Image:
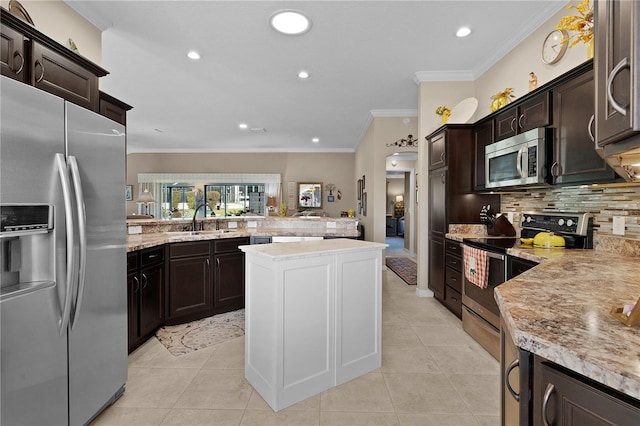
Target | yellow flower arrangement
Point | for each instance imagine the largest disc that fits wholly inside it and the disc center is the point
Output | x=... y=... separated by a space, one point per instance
x=582 y=24
x=501 y=99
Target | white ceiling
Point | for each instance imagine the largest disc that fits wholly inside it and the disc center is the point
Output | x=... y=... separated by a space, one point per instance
x=364 y=58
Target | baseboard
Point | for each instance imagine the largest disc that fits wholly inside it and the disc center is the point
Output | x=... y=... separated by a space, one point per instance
x=424 y=293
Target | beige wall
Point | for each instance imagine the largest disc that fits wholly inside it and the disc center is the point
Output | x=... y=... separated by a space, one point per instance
x=513 y=69
x=371 y=158
x=58 y=21
x=295 y=167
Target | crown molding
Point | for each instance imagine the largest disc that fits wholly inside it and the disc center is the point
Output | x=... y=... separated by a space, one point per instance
x=393 y=113
x=452 y=75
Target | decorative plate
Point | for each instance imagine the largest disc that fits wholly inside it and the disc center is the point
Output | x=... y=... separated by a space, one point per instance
x=463 y=112
x=18 y=10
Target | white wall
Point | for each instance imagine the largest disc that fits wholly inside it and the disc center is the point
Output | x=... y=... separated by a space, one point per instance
x=58 y=21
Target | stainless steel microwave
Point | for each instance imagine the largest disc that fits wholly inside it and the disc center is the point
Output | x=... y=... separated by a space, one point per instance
x=520 y=160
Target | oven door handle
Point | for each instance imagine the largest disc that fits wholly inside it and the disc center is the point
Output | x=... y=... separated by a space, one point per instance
x=491 y=254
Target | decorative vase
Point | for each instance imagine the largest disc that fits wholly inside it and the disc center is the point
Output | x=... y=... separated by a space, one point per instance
x=445 y=116
x=590 y=49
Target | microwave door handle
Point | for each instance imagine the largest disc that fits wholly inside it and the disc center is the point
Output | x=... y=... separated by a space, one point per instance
x=519 y=162
x=82 y=232
x=61 y=164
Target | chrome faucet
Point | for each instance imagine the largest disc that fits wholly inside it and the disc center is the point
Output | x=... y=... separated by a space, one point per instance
x=195 y=213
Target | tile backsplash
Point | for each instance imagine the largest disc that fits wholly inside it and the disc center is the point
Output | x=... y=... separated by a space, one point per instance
x=604 y=202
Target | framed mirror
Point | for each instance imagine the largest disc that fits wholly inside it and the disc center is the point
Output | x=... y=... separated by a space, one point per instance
x=310 y=195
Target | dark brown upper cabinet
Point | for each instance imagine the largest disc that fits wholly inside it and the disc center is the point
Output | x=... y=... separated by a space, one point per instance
x=530 y=114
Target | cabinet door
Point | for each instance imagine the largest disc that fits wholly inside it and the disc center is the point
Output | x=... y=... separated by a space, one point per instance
x=483 y=133
x=438 y=203
x=436 y=267
x=517 y=266
x=56 y=74
x=229 y=281
x=563 y=399
x=151 y=282
x=575 y=157
x=506 y=123
x=133 y=309
x=13 y=59
x=515 y=381
x=437 y=151
x=534 y=113
x=190 y=286
x=616 y=62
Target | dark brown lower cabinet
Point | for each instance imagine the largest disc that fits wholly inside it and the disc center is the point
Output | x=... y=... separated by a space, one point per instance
x=229 y=276
x=536 y=391
x=453 y=277
x=145 y=284
x=561 y=397
x=190 y=281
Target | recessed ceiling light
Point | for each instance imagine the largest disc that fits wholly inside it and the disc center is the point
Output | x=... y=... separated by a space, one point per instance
x=303 y=75
x=463 y=32
x=396 y=153
x=243 y=125
x=290 y=22
x=193 y=55
x=315 y=140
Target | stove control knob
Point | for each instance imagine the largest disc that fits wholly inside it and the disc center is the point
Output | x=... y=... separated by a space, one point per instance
x=561 y=222
x=569 y=222
x=528 y=218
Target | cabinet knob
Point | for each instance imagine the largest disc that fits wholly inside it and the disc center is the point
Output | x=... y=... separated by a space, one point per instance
x=18 y=55
x=442 y=157
x=590 y=128
x=556 y=170
x=520 y=123
x=512 y=125
x=623 y=64
x=545 y=403
x=137 y=284
x=146 y=281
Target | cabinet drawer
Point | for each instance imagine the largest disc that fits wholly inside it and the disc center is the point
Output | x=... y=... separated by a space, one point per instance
x=454 y=262
x=151 y=256
x=229 y=244
x=453 y=300
x=453 y=247
x=453 y=279
x=189 y=249
x=132 y=261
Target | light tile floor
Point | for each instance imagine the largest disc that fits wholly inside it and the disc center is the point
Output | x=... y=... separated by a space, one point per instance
x=432 y=373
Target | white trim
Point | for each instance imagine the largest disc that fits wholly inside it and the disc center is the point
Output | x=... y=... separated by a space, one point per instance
x=453 y=75
x=209 y=177
x=394 y=112
x=423 y=293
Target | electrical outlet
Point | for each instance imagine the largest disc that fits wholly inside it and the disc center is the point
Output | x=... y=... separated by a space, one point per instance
x=252 y=224
x=232 y=225
x=134 y=230
x=331 y=225
x=618 y=225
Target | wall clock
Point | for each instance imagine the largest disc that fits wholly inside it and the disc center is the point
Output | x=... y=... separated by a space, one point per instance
x=553 y=49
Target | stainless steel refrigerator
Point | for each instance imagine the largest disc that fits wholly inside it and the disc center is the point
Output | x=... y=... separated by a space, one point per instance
x=63 y=314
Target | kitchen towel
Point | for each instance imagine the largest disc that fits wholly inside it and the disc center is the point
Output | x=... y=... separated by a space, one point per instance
x=476 y=266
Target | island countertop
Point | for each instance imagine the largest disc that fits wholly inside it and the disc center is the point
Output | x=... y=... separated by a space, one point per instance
x=560 y=310
x=310 y=248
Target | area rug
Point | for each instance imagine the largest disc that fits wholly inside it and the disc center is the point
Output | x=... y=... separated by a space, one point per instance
x=186 y=338
x=405 y=268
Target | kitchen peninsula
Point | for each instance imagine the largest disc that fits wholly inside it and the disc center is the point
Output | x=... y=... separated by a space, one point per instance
x=313 y=316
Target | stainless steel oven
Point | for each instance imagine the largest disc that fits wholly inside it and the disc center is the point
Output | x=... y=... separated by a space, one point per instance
x=480 y=313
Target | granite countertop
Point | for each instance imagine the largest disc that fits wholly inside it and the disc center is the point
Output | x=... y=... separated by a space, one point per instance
x=310 y=248
x=142 y=241
x=560 y=310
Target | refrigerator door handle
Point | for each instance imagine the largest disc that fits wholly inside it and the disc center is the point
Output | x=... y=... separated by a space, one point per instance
x=82 y=232
x=61 y=163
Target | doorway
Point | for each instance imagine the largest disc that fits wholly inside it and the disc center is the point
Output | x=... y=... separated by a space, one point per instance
x=401 y=204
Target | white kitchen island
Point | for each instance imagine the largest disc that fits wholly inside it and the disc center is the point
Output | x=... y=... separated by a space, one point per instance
x=313 y=316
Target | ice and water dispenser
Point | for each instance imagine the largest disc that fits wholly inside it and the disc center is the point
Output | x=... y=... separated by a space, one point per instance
x=27 y=248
